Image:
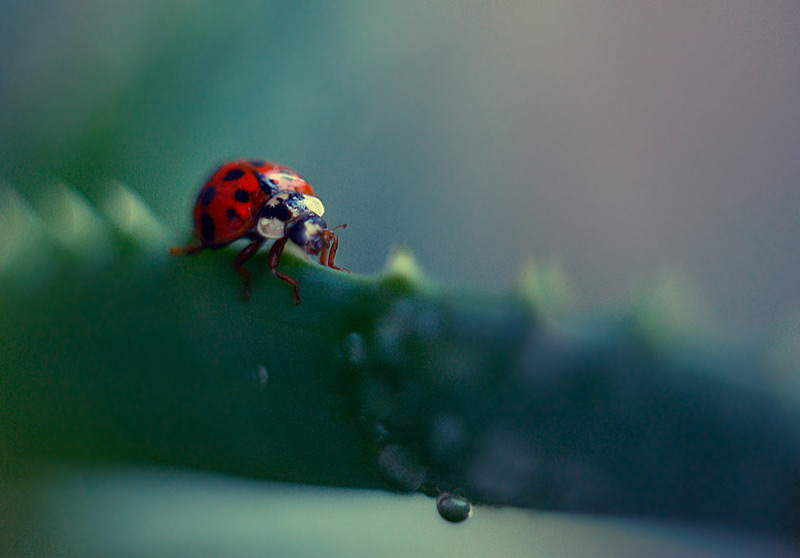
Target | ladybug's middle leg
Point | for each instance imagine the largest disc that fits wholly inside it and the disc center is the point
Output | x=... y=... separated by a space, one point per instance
x=248 y=252
x=274 y=259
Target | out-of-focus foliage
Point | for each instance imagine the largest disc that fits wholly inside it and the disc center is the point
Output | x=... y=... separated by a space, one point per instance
x=99 y=512
x=618 y=141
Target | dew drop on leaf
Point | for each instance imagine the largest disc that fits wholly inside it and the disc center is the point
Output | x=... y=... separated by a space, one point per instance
x=454 y=506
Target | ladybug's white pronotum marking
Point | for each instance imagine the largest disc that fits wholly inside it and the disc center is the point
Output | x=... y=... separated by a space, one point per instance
x=271 y=227
x=314 y=205
x=276 y=226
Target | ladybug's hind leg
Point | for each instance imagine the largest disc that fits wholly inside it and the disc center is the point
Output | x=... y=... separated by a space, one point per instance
x=248 y=252
x=184 y=250
x=274 y=259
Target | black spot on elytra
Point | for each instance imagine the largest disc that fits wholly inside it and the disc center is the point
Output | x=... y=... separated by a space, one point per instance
x=233 y=174
x=207 y=227
x=231 y=213
x=241 y=196
x=207 y=195
x=257 y=164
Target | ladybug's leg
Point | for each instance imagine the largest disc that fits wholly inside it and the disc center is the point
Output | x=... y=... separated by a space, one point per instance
x=190 y=249
x=248 y=252
x=324 y=254
x=334 y=245
x=274 y=259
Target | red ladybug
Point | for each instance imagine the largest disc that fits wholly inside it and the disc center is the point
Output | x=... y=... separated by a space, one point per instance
x=241 y=193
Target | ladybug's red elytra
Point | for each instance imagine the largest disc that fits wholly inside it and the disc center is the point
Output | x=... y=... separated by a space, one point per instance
x=261 y=201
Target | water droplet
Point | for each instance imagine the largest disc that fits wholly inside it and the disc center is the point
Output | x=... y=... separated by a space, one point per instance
x=401 y=468
x=354 y=348
x=454 y=506
x=261 y=376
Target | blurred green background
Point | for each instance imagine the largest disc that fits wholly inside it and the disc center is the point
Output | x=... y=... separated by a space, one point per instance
x=618 y=139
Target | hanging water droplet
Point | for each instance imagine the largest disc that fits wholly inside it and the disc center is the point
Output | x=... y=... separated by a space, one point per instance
x=454 y=506
x=261 y=376
x=354 y=348
x=401 y=468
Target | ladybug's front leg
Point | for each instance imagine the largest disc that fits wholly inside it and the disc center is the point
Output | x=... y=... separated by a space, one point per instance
x=329 y=252
x=274 y=259
x=248 y=252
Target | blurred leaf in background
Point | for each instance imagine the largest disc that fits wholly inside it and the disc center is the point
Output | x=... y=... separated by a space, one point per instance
x=616 y=140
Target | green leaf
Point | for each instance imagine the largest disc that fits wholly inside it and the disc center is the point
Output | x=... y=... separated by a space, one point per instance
x=121 y=353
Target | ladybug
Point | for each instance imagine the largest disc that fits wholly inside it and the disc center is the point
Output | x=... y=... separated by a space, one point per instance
x=261 y=201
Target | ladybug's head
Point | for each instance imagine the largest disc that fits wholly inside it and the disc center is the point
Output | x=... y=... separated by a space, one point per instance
x=298 y=217
x=308 y=232
x=312 y=234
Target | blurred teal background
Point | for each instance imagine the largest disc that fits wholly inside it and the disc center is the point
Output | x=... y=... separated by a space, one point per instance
x=618 y=139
